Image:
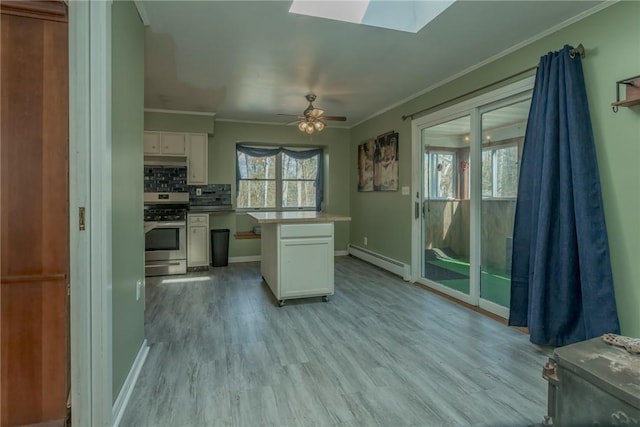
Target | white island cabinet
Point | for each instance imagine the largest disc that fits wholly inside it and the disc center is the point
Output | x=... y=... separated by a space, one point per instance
x=297 y=253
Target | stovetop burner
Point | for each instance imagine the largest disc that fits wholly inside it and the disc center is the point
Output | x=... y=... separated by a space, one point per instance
x=165 y=213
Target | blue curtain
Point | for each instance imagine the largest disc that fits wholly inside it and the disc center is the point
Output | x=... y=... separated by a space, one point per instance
x=299 y=155
x=561 y=281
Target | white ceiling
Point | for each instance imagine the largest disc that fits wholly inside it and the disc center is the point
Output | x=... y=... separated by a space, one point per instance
x=250 y=60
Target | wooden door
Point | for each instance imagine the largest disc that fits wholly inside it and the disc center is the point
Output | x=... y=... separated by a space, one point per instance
x=34 y=213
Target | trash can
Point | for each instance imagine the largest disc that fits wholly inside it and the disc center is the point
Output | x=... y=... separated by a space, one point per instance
x=220 y=247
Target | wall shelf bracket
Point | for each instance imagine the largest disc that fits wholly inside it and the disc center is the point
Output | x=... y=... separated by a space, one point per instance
x=632 y=93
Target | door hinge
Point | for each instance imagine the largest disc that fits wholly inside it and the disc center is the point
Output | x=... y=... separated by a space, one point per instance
x=81 y=220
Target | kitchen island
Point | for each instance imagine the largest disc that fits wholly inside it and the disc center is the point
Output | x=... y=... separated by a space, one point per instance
x=297 y=252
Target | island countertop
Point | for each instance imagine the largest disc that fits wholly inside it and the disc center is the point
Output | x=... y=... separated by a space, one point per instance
x=296 y=217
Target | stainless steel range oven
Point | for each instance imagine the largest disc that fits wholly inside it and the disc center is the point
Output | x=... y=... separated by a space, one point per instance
x=165 y=240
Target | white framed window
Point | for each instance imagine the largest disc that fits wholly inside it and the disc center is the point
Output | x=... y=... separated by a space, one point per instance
x=276 y=178
x=298 y=182
x=440 y=174
x=500 y=171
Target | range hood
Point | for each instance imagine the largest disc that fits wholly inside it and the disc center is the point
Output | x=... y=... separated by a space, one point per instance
x=172 y=162
x=166 y=198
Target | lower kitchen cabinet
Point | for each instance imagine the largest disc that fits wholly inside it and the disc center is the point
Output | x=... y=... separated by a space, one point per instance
x=198 y=247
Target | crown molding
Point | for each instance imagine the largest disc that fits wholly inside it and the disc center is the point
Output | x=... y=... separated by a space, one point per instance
x=190 y=113
x=605 y=4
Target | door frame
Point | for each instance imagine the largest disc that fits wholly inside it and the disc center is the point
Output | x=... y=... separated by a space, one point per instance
x=471 y=107
x=90 y=189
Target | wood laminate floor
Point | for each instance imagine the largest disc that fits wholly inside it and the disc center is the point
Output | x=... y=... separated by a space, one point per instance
x=381 y=352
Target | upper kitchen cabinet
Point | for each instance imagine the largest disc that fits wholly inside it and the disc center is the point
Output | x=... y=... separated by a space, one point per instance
x=152 y=143
x=197 y=159
x=173 y=144
x=165 y=143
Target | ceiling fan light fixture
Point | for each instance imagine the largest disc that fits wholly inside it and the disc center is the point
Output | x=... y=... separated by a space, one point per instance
x=312 y=119
x=310 y=125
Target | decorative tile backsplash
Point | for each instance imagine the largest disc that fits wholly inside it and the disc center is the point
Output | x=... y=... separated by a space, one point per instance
x=165 y=179
x=212 y=195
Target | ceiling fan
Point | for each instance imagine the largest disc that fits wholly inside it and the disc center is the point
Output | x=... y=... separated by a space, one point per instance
x=312 y=118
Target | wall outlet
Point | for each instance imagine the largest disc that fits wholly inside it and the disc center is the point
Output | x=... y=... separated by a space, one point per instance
x=365 y=241
x=198 y=191
x=138 y=289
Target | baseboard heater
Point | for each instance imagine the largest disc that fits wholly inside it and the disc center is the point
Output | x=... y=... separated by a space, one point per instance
x=394 y=266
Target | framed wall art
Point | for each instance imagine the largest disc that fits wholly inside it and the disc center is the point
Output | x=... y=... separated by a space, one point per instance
x=378 y=163
x=385 y=161
x=365 y=165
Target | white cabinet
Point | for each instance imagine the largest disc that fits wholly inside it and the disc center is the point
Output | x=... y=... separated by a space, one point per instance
x=297 y=259
x=198 y=240
x=165 y=144
x=152 y=143
x=197 y=154
x=173 y=144
x=194 y=146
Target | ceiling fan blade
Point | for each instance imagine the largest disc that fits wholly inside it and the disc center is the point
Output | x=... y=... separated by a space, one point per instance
x=290 y=115
x=335 y=118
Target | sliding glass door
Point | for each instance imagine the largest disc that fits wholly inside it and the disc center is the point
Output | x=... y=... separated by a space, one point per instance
x=502 y=142
x=465 y=191
x=446 y=205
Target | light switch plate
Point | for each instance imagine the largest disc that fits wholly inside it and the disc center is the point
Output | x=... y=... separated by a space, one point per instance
x=198 y=191
x=405 y=191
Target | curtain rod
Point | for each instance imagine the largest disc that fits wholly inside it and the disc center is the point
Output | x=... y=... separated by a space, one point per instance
x=579 y=50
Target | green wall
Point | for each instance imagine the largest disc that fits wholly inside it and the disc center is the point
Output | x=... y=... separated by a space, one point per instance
x=612 y=41
x=127 y=74
x=171 y=122
x=335 y=142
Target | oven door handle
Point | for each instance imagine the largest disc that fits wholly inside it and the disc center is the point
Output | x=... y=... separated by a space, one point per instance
x=157 y=264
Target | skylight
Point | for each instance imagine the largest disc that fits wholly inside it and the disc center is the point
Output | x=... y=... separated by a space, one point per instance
x=401 y=15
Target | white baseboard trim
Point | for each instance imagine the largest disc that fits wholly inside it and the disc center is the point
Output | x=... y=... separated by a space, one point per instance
x=341 y=253
x=251 y=258
x=394 y=266
x=129 y=383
